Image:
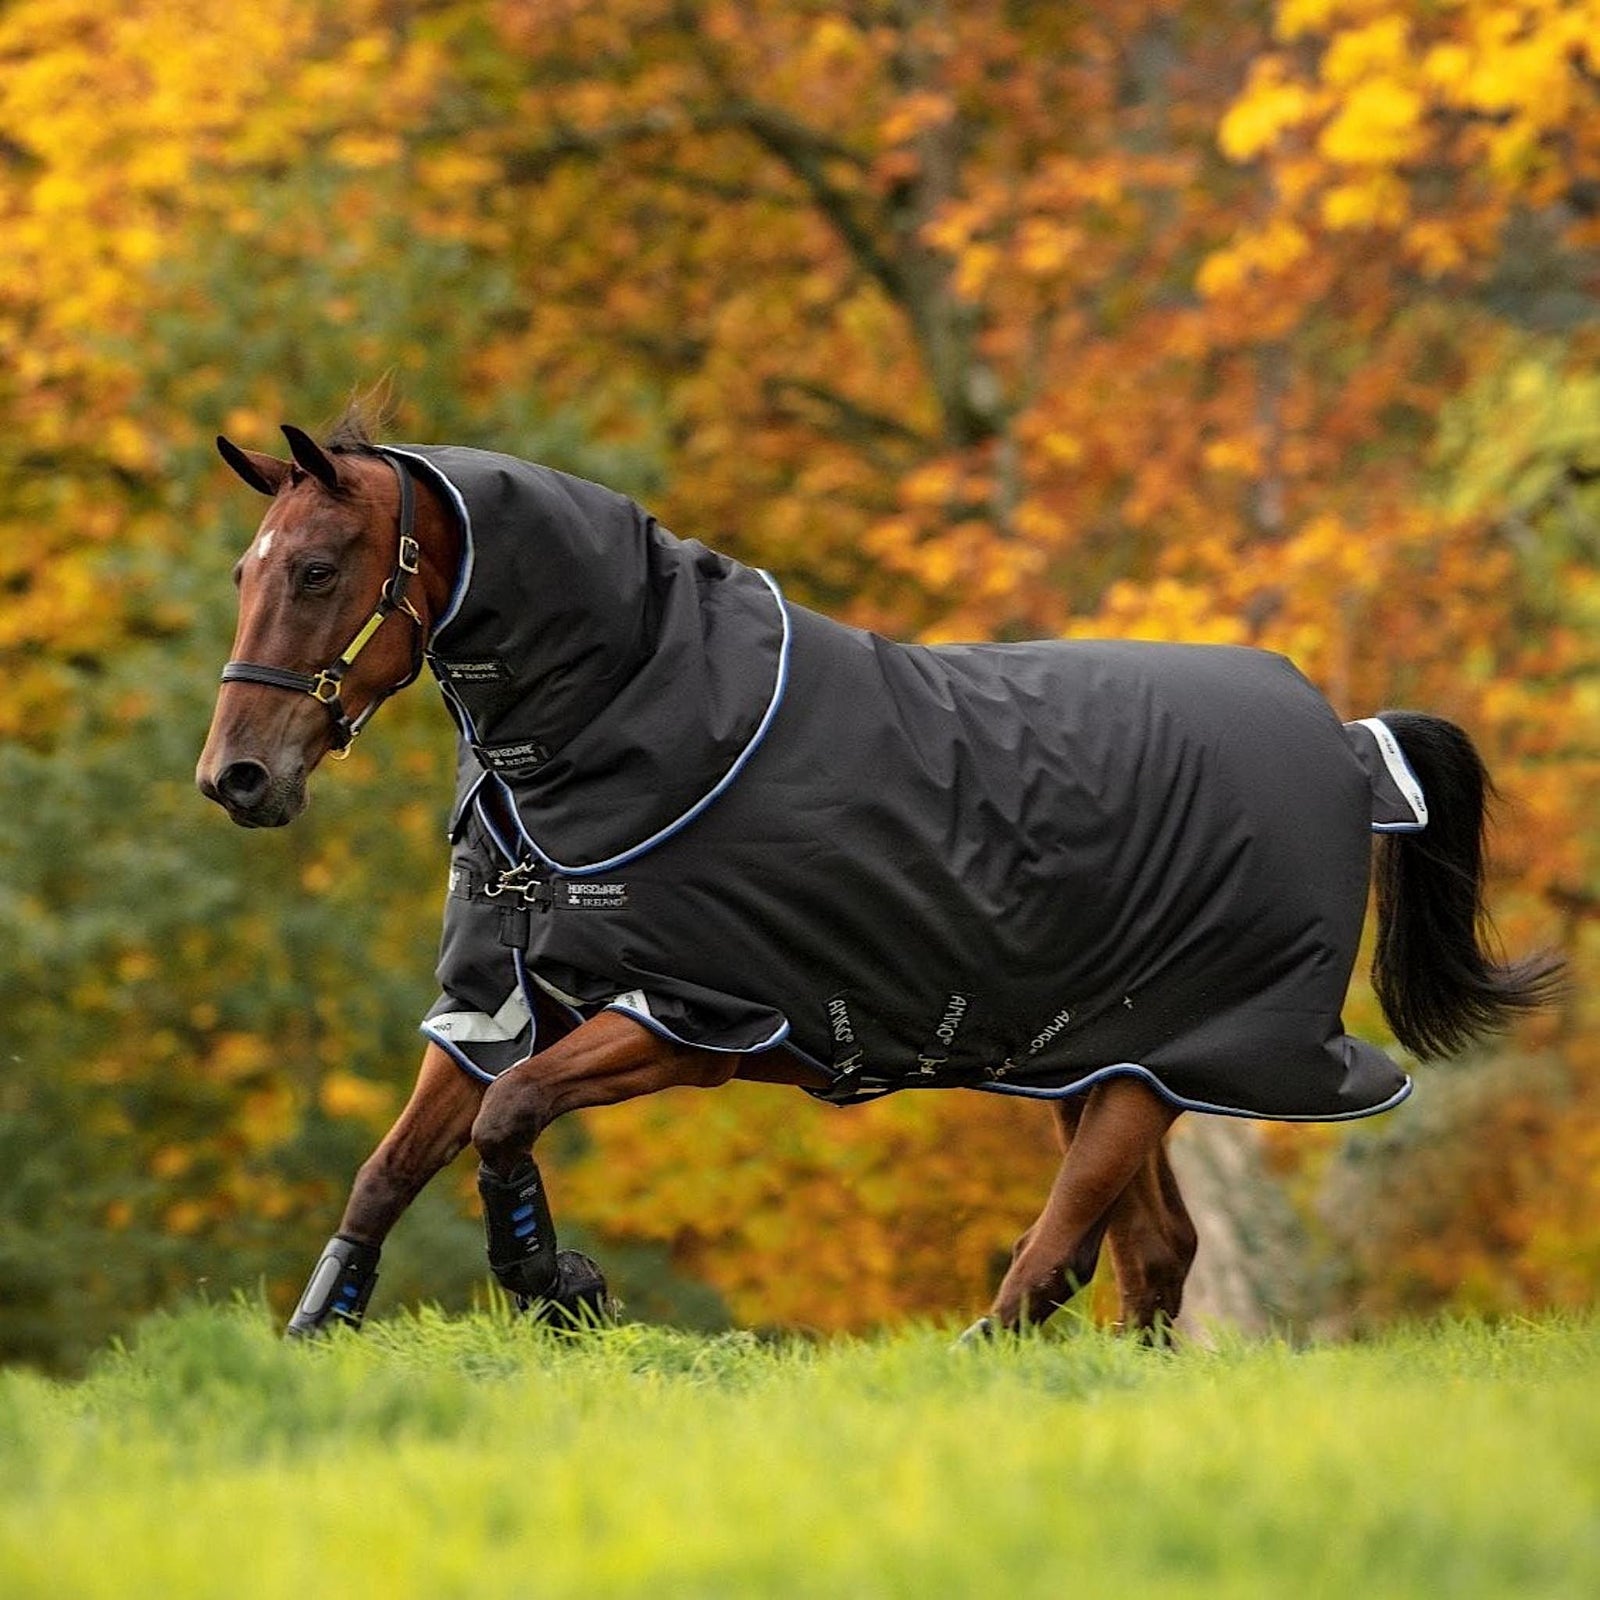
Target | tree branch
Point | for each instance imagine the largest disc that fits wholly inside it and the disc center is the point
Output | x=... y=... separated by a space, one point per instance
x=857 y=419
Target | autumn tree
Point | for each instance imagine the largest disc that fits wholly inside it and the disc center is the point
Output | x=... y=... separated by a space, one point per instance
x=983 y=321
x=1184 y=320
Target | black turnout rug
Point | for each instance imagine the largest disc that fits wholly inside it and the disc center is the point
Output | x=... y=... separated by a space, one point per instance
x=1010 y=867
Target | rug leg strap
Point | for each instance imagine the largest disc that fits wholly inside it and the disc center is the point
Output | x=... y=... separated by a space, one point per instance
x=338 y=1290
x=521 y=1235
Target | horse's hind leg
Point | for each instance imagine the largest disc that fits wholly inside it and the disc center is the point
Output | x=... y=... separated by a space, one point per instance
x=1116 y=1133
x=1068 y=1114
x=1152 y=1242
x=1148 y=1233
x=432 y=1130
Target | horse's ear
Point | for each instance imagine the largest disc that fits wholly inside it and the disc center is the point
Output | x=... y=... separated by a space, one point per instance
x=263 y=473
x=310 y=457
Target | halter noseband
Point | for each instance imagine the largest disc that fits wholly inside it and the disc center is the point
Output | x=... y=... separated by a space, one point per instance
x=323 y=686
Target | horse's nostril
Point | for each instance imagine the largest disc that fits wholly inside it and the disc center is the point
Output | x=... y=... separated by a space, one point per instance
x=243 y=785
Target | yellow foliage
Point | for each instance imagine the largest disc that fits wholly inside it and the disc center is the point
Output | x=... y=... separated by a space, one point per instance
x=1267 y=252
x=344 y=1094
x=1382 y=47
x=1377 y=124
x=236 y=1057
x=1378 y=200
x=1013 y=415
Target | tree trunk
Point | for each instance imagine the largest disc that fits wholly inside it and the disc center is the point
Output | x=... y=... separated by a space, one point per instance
x=1251 y=1273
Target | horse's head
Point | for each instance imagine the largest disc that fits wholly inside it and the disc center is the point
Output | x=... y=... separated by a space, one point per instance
x=332 y=619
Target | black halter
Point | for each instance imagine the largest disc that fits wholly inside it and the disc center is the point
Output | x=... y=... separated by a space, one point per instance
x=323 y=686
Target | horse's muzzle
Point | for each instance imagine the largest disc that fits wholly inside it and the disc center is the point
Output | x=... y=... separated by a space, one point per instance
x=252 y=796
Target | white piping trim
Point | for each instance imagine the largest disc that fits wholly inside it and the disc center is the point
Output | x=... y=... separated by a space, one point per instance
x=722 y=785
x=1132 y=1069
x=1082 y=1085
x=464 y=576
x=447 y=1043
x=633 y=852
x=478 y=1027
x=1400 y=770
x=644 y=1019
x=468 y=1066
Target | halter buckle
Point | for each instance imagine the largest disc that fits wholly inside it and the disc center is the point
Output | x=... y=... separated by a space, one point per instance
x=324 y=686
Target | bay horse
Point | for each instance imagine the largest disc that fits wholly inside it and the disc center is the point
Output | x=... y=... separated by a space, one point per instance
x=703 y=834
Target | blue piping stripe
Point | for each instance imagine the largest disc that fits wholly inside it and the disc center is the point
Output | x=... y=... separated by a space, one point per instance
x=509 y=855
x=779 y=1034
x=722 y=785
x=1131 y=1069
x=633 y=852
x=464 y=577
x=1123 y=1069
x=453 y=1050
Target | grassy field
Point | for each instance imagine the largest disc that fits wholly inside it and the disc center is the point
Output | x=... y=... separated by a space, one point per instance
x=476 y=1457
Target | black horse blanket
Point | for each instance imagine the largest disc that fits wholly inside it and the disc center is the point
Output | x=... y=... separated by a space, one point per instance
x=1010 y=867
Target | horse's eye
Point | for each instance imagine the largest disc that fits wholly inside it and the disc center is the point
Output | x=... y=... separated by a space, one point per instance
x=318 y=575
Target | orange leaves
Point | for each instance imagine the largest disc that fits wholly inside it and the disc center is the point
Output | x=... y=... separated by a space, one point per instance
x=915 y=114
x=1165 y=609
x=969 y=321
x=805 y=1214
x=1277 y=248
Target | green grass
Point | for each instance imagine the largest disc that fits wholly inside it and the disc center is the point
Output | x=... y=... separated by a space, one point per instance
x=477 y=1457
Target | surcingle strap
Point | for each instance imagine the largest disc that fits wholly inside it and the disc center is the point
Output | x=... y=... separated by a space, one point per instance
x=1398 y=804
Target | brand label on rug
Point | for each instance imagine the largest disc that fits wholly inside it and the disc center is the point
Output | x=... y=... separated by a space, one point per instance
x=1050 y=1032
x=475 y=669
x=580 y=895
x=513 y=760
x=936 y=1054
x=846 y=1048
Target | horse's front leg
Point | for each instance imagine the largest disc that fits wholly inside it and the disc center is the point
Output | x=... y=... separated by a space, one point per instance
x=606 y=1060
x=432 y=1130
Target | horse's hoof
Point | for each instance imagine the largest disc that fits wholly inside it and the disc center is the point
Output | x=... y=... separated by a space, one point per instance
x=580 y=1298
x=981 y=1332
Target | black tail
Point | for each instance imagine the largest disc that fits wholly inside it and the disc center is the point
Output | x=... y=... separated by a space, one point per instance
x=1435 y=975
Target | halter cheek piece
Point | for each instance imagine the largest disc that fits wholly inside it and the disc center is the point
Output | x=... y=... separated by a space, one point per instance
x=323 y=686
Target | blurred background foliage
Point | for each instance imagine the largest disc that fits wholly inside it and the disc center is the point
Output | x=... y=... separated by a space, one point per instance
x=1175 y=318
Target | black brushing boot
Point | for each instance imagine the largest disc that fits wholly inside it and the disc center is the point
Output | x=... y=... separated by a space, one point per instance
x=562 y=1286
x=338 y=1290
x=580 y=1298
